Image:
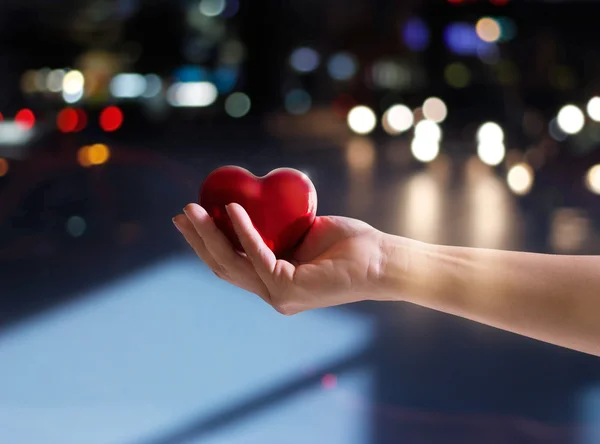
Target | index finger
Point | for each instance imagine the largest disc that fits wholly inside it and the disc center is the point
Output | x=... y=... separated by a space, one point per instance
x=260 y=255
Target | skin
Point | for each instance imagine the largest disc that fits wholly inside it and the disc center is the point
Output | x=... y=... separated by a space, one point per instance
x=551 y=298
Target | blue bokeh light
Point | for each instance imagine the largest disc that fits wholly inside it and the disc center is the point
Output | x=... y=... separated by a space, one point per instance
x=415 y=34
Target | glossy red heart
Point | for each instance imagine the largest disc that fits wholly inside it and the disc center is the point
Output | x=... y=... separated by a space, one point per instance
x=282 y=205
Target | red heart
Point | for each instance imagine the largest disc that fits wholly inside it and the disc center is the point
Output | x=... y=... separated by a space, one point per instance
x=282 y=205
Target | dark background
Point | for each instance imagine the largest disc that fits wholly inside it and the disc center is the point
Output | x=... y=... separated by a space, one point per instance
x=112 y=332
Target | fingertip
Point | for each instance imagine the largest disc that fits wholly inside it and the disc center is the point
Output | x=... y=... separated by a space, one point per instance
x=235 y=207
x=178 y=221
x=236 y=213
x=193 y=210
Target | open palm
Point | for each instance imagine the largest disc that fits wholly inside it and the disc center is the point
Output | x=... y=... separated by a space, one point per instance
x=338 y=262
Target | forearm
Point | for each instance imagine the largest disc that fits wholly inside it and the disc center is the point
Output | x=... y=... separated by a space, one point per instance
x=548 y=297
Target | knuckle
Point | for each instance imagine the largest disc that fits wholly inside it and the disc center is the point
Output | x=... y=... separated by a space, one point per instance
x=221 y=274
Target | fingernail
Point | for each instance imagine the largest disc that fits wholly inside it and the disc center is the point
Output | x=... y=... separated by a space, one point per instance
x=227 y=209
x=175 y=223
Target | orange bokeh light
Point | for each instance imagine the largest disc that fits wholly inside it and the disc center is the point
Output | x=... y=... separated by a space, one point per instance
x=90 y=155
x=3 y=167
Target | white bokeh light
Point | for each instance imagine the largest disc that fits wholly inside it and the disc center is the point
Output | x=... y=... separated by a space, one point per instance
x=490 y=131
x=128 y=85
x=399 y=118
x=570 y=119
x=212 y=8
x=520 y=179
x=192 y=94
x=54 y=81
x=428 y=130
x=425 y=150
x=491 y=152
x=593 y=179
x=435 y=109
x=362 y=119
x=72 y=97
x=73 y=83
x=593 y=109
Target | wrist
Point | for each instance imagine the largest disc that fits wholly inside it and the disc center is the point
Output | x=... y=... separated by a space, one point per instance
x=406 y=262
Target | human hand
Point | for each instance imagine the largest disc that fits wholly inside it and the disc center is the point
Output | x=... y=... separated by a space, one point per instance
x=340 y=260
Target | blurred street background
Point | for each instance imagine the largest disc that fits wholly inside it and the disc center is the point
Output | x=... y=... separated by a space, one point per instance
x=465 y=122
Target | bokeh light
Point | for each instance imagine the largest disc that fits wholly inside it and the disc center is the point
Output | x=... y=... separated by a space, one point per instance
x=225 y=78
x=297 y=102
x=435 y=109
x=76 y=226
x=237 y=105
x=428 y=130
x=67 y=120
x=72 y=97
x=360 y=153
x=397 y=119
x=111 y=118
x=570 y=119
x=520 y=178
x=556 y=131
x=54 y=81
x=415 y=34
x=191 y=74
x=305 y=59
x=25 y=119
x=457 y=75
x=342 y=66
x=490 y=131
x=329 y=381
x=425 y=149
x=488 y=29
x=491 y=152
x=212 y=8
x=570 y=230
x=28 y=82
x=98 y=154
x=461 y=38
x=508 y=28
x=82 y=119
x=90 y=155
x=128 y=85
x=153 y=86
x=41 y=79
x=593 y=109
x=361 y=119
x=73 y=83
x=192 y=94
x=390 y=74
x=3 y=167
x=593 y=179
